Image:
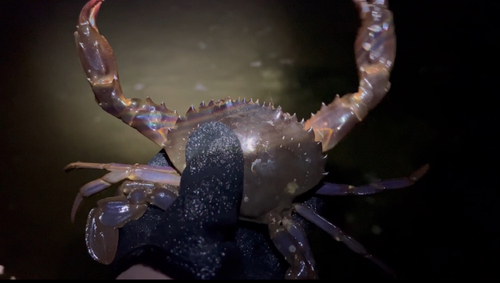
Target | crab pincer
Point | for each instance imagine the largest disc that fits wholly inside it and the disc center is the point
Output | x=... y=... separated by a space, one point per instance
x=375 y=50
x=99 y=64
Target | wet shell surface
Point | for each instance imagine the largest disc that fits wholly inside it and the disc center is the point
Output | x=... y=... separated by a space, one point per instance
x=282 y=160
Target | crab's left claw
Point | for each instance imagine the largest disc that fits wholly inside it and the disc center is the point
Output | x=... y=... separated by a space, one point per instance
x=375 y=49
x=103 y=222
x=99 y=64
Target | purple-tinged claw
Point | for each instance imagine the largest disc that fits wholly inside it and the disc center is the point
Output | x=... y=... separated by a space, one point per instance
x=117 y=211
x=101 y=240
x=103 y=222
x=162 y=198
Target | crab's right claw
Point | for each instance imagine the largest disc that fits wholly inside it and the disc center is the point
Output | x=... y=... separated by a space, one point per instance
x=375 y=49
x=99 y=64
x=104 y=221
x=101 y=231
x=101 y=241
x=98 y=61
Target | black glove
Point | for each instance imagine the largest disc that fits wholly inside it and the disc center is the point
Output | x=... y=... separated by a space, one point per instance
x=199 y=235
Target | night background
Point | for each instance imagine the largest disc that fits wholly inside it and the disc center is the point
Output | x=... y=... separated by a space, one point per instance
x=440 y=110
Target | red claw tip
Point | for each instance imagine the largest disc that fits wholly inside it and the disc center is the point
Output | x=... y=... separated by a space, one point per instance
x=89 y=12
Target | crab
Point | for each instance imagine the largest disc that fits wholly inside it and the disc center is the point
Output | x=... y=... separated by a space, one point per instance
x=283 y=157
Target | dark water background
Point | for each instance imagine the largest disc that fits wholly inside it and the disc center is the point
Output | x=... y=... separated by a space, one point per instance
x=440 y=110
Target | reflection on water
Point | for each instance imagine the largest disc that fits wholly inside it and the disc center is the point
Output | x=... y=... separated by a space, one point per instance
x=180 y=52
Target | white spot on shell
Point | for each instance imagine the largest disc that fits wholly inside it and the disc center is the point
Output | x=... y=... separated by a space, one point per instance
x=246 y=199
x=375 y=28
x=292 y=248
x=249 y=145
x=292 y=187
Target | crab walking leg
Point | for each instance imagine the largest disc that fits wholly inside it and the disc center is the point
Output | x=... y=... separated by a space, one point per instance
x=101 y=232
x=160 y=195
x=119 y=172
x=375 y=49
x=332 y=189
x=291 y=242
x=338 y=234
x=99 y=64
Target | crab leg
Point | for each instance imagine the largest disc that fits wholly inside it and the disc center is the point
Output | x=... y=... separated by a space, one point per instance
x=338 y=234
x=332 y=189
x=99 y=64
x=291 y=242
x=375 y=49
x=119 y=172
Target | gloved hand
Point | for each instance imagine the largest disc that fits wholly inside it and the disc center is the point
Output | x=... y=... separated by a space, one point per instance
x=199 y=235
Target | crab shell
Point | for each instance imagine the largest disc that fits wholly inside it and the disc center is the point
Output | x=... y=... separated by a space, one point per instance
x=282 y=160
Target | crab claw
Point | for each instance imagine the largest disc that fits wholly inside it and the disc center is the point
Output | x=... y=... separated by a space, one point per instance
x=101 y=241
x=96 y=55
x=99 y=64
x=375 y=49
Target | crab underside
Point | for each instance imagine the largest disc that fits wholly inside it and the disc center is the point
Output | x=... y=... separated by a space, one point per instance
x=283 y=157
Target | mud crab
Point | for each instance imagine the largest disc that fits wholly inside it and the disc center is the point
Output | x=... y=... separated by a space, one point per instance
x=270 y=138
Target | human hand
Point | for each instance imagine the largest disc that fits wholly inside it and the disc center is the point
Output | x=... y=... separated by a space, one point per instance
x=199 y=235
